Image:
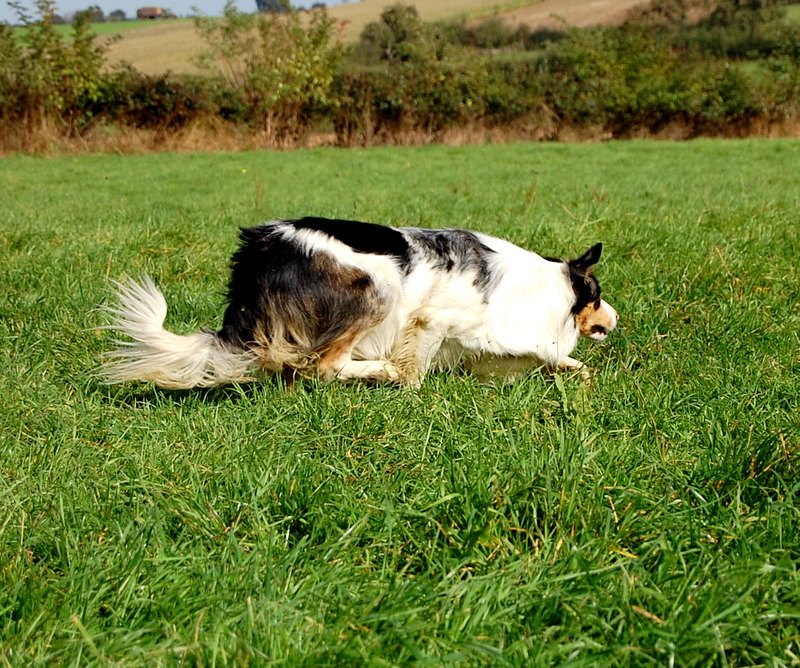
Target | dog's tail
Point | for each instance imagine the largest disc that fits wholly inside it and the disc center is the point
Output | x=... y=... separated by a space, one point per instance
x=166 y=359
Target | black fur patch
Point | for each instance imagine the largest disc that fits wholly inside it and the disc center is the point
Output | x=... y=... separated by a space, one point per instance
x=585 y=285
x=454 y=250
x=273 y=279
x=587 y=290
x=361 y=237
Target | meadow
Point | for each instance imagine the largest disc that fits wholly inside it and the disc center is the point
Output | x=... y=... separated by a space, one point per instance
x=651 y=518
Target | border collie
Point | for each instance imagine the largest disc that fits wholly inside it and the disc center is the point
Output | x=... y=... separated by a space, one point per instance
x=349 y=300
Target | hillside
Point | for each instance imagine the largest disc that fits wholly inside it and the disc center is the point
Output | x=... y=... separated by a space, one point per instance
x=157 y=47
x=581 y=13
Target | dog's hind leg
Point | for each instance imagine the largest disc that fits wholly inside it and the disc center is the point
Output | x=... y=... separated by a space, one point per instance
x=407 y=363
x=337 y=362
x=376 y=370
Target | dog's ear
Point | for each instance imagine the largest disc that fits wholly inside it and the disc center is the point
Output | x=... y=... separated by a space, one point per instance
x=586 y=261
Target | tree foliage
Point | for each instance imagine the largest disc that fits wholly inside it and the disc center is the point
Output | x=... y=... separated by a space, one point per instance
x=281 y=65
x=274 y=6
x=47 y=77
x=399 y=36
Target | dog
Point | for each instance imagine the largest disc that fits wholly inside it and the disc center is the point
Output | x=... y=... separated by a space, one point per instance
x=349 y=300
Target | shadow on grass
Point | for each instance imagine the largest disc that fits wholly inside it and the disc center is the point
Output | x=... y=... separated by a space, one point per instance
x=560 y=385
x=140 y=394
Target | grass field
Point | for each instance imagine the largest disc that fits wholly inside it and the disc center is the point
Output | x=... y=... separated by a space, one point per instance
x=112 y=27
x=652 y=518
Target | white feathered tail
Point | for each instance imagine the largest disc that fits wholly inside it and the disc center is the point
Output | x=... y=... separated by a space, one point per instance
x=166 y=359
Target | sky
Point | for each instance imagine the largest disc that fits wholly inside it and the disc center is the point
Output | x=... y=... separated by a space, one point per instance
x=179 y=7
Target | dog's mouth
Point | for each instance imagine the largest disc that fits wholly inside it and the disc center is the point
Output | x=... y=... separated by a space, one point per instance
x=598 y=333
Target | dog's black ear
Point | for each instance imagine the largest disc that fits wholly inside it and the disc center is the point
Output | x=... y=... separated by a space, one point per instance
x=588 y=259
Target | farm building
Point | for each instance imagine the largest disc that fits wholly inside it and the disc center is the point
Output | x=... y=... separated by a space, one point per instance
x=152 y=13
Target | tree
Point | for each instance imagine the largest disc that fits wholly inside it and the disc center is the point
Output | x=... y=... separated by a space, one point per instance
x=47 y=77
x=95 y=14
x=274 y=6
x=282 y=65
x=399 y=36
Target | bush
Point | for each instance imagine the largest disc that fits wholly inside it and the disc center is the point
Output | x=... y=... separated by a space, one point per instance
x=161 y=102
x=281 y=67
x=425 y=97
x=515 y=89
x=732 y=29
x=626 y=80
x=282 y=75
x=400 y=36
x=47 y=79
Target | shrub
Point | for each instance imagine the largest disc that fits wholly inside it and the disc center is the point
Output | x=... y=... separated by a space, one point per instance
x=626 y=80
x=45 y=78
x=280 y=66
x=401 y=36
x=281 y=74
x=491 y=33
x=514 y=90
x=424 y=97
x=779 y=84
x=160 y=102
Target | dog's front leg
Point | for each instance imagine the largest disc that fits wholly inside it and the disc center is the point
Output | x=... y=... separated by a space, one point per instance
x=571 y=364
x=416 y=349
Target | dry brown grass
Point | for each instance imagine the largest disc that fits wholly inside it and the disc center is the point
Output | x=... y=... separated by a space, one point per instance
x=358 y=14
x=207 y=135
x=213 y=135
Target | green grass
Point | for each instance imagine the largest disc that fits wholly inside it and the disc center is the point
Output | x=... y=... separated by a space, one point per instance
x=112 y=27
x=651 y=519
x=793 y=13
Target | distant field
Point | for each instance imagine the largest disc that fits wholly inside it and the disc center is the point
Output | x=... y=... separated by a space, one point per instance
x=113 y=27
x=579 y=13
x=157 y=47
x=653 y=519
x=173 y=45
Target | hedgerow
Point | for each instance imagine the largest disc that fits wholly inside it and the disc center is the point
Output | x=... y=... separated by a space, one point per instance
x=285 y=77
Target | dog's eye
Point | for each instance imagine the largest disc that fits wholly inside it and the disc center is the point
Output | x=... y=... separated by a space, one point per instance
x=597 y=305
x=598 y=329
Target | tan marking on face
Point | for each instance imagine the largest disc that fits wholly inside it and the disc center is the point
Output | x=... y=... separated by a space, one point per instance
x=596 y=320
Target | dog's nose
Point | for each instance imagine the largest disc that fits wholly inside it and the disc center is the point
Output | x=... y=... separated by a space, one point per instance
x=612 y=316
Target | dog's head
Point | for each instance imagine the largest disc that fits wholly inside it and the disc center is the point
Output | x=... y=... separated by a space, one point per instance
x=594 y=317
